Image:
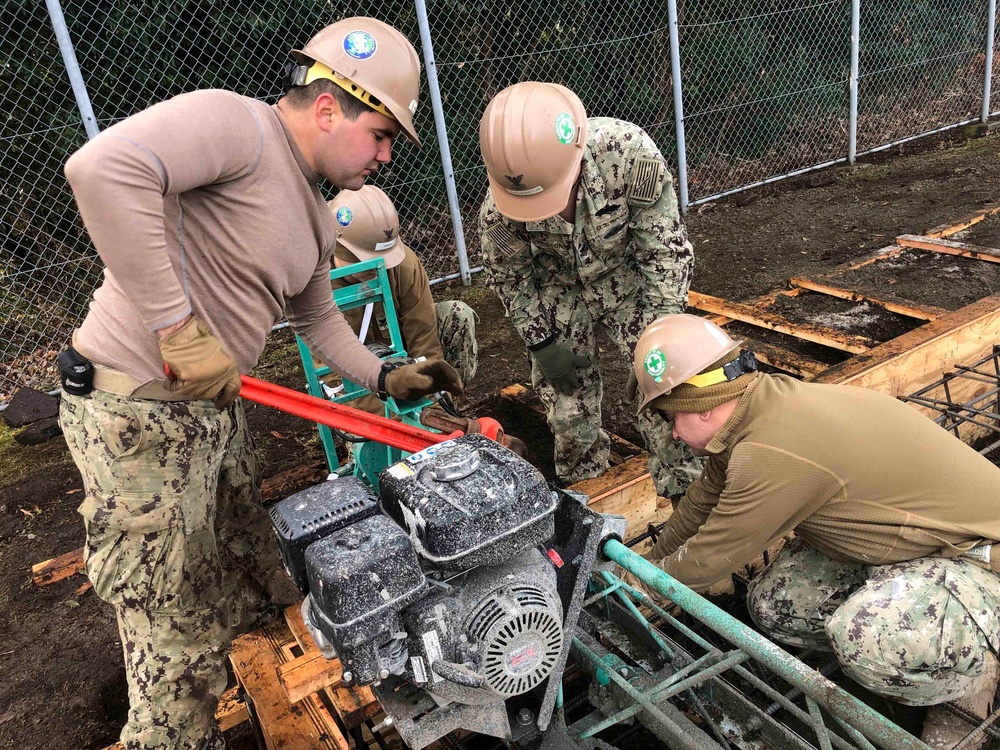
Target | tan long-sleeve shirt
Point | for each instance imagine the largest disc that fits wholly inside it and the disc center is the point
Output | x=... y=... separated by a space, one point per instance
x=857 y=474
x=204 y=204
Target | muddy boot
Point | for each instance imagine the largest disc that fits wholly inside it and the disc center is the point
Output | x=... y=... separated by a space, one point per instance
x=943 y=729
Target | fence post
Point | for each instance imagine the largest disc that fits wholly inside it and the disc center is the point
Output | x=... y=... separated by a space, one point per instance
x=988 y=84
x=442 y=137
x=852 y=137
x=675 y=73
x=72 y=67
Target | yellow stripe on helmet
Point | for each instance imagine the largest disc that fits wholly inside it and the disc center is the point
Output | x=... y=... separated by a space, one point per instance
x=712 y=377
x=318 y=70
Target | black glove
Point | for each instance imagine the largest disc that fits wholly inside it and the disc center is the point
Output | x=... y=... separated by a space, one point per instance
x=559 y=367
x=410 y=382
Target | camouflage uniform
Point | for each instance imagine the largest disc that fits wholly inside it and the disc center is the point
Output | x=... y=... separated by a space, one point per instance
x=456 y=326
x=623 y=263
x=179 y=543
x=917 y=632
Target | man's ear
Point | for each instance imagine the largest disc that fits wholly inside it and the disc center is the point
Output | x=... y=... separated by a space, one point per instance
x=327 y=111
x=706 y=416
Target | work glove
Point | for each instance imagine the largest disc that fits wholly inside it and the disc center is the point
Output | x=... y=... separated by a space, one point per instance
x=413 y=381
x=559 y=367
x=197 y=366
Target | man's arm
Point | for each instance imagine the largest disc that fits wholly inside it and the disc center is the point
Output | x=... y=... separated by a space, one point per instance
x=661 y=245
x=415 y=309
x=510 y=270
x=121 y=177
x=694 y=508
x=313 y=315
x=768 y=492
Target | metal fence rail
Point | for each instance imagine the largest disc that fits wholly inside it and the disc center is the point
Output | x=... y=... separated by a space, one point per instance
x=735 y=93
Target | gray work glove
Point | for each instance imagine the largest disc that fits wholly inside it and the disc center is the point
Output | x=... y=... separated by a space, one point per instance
x=559 y=367
x=413 y=381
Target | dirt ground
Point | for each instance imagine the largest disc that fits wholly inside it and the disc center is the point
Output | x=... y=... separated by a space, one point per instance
x=63 y=679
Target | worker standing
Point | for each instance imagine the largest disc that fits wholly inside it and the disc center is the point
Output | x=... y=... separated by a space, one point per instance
x=580 y=231
x=207 y=213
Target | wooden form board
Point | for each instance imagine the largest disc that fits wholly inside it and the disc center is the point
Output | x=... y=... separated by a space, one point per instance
x=626 y=490
x=948 y=247
x=918 y=358
x=765 y=319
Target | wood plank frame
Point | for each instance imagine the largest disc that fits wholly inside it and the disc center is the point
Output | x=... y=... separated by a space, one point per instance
x=946 y=230
x=948 y=247
x=901 y=307
x=906 y=364
x=763 y=319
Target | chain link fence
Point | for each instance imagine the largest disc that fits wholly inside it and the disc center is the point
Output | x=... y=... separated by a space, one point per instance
x=766 y=93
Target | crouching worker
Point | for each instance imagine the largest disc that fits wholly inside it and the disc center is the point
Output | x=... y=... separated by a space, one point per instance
x=895 y=520
x=369 y=229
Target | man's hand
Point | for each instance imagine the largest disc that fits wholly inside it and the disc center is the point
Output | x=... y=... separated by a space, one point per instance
x=197 y=366
x=559 y=367
x=410 y=382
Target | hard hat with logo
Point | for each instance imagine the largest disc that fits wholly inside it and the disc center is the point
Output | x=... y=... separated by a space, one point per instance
x=673 y=350
x=368 y=225
x=532 y=137
x=370 y=60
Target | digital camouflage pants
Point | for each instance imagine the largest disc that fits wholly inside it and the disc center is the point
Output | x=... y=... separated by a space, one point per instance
x=581 y=444
x=917 y=632
x=179 y=544
x=456 y=323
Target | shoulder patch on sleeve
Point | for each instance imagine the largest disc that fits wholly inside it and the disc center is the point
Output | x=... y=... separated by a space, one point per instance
x=647 y=181
x=502 y=237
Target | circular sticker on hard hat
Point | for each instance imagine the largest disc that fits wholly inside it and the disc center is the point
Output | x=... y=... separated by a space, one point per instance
x=655 y=364
x=344 y=216
x=360 y=45
x=565 y=128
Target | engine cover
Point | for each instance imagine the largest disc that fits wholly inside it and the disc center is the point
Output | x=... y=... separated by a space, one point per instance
x=309 y=515
x=469 y=502
x=515 y=623
x=494 y=635
x=359 y=579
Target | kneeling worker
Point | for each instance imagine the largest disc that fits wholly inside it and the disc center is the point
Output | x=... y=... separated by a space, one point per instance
x=369 y=227
x=895 y=520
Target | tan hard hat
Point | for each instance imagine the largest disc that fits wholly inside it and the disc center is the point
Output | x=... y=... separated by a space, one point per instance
x=368 y=225
x=675 y=348
x=370 y=60
x=532 y=137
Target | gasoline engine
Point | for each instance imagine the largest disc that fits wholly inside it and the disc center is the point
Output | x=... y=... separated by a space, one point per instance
x=453 y=592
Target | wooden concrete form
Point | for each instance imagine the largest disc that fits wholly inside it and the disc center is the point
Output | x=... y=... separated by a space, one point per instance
x=905 y=364
x=948 y=247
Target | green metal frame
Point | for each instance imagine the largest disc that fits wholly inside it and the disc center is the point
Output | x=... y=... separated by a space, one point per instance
x=369 y=458
x=861 y=725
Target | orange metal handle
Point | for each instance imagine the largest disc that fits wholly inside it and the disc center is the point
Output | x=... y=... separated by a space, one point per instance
x=340 y=417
